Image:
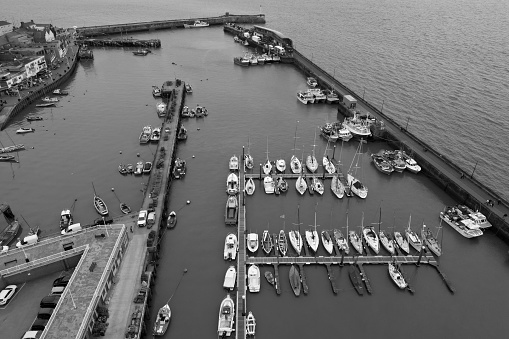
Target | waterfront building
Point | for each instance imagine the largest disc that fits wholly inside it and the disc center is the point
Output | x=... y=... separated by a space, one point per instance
x=5 y=27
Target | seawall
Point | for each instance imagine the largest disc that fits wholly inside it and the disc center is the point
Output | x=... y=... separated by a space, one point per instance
x=167 y=24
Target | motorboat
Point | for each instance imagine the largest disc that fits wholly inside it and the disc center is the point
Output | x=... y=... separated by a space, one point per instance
x=332 y=96
x=386 y=241
x=267 y=167
x=311 y=186
x=311 y=162
x=172 y=220
x=34 y=118
x=413 y=238
x=241 y=61
x=295 y=240
x=12 y=148
x=46 y=104
x=281 y=184
x=229 y=278
x=200 y=111
x=231 y=210
x=197 y=24
x=58 y=91
x=156 y=91
x=24 y=130
x=342 y=132
x=100 y=205
x=311 y=82
x=139 y=168
x=9 y=233
x=328 y=132
x=250 y=186
x=371 y=238
x=381 y=164
x=358 y=127
x=401 y=242
x=465 y=227
x=269 y=185
x=248 y=161
x=252 y=242
x=397 y=276
x=318 y=185
x=147 y=167
x=161 y=109
x=276 y=58
x=301 y=185
x=282 y=243
x=269 y=277
x=65 y=219
x=230 y=247
x=281 y=165
x=253 y=60
x=179 y=168
x=141 y=52
x=410 y=163
x=130 y=168
x=187 y=113
x=327 y=241
x=476 y=217
x=182 y=133
x=356 y=279
x=261 y=59
x=317 y=94
x=328 y=165
x=188 y=88
x=155 y=136
x=253 y=278
x=267 y=244
x=355 y=241
x=341 y=242
x=124 y=208
x=48 y=99
x=250 y=324
x=431 y=241
x=122 y=169
x=145 y=134
x=232 y=184
x=162 y=320
x=356 y=186
x=268 y=58
x=395 y=160
x=305 y=97
x=7 y=157
x=225 y=325
x=234 y=163
x=294 y=277
x=337 y=187
x=312 y=237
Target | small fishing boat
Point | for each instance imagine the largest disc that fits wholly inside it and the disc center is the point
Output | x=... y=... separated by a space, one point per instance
x=58 y=91
x=397 y=276
x=281 y=184
x=230 y=247
x=161 y=109
x=46 y=104
x=124 y=208
x=232 y=184
x=311 y=82
x=7 y=157
x=24 y=130
x=329 y=132
x=234 y=163
x=250 y=186
x=269 y=185
x=295 y=280
x=48 y=99
x=241 y=61
x=282 y=243
x=410 y=163
x=226 y=317
x=130 y=168
x=252 y=242
x=141 y=52
x=301 y=185
x=253 y=279
x=179 y=168
x=34 y=118
x=356 y=280
x=394 y=158
x=281 y=165
x=162 y=320
x=267 y=244
x=145 y=134
x=327 y=241
x=12 y=148
x=197 y=24
x=431 y=241
x=100 y=205
x=332 y=96
x=342 y=132
x=386 y=241
x=182 y=133
x=147 y=167
x=401 y=242
x=341 y=242
x=318 y=185
x=381 y=164
x=357 y=126
x=9 y=233
x=122 y=169
x=187 y=113
x=156 y=91
x=139 y=168
x=229 y=278
x=172 y=220
x=200 y=111
x=337 y=187
x=371 y=238
x=155 y=136
x=270 y=277
x=188 y=88
x=231 y=211
x=250 y=324
x=65 y=219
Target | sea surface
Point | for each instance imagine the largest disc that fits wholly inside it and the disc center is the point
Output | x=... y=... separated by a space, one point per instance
x=440 y=67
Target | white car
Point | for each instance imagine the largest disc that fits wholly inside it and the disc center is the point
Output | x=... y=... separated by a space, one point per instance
x=142 y=218
x=7 y=294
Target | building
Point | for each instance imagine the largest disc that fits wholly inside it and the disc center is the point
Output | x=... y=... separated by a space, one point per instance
x=15 y=72
x=41 y=32
x=5 y=27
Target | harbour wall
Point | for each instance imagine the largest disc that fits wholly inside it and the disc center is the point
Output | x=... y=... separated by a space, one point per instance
x=167 y=24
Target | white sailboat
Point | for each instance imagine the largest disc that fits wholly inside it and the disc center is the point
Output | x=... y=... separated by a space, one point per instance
x=281 y=165
x=294 y=235
x=301 y=184
x=311 y=162
x=267 y=166
x=318 y=185
x=385 y=237
x=250 y=186
x=248 y=159
x=327 y=241
x=397 y=276
x=327 y=163
x=355 y=184
x=412 y=237
x=337 y=187
x=355 y=240
x=295 y=163
x=312 y=237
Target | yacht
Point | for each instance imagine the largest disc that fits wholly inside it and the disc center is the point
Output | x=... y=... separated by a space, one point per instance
x=155 y=136
x=465 y=227
x=386 y=241
x=312 y=237
x=401 y=242
x=295 y=241
x=413 y=238
x=328 y=165
x=327 y=241
x=305 y=97
x=229 y=278
x=225 y=325
x=281 y=165
x=356 y=186
x=318 y=185
x=269 y=185
x=431 y=241
x=337 y=187
x=253 y=279
x=476 y=217
x=234 y=163
x=294 y=277
x=397 y=276
x=230 y=247
x=371 y=238
x=341 y=242
x=301 y=185
x=252 y=242
x=356 y=241
x=250 y=186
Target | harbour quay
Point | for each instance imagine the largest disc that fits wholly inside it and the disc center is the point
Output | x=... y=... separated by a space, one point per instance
x=459 y=183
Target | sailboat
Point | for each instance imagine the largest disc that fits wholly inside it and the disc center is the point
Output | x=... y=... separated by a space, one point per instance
x=341 y=242
x=397 y=276
x=337 y=187
x=281 y=165
x=318 y=185
x=99 y=204
x=295 y=280
x=327 y=241
x=430 y=240
x=412 y=237
x=312 y=237
x=402 y=242
x=267 y=244
x=311 y=162
x=385 y=238
x=301 y=185
x=327 y=163
x=354 y=238
x=250 y=186
x=370 y=236
x=282 y=242
x=295 y=163
x=267 y=167
x=164 y=314
x=295 y=237
x=355 y=185
x=248 y=159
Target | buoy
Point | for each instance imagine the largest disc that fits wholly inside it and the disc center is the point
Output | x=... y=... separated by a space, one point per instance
x=188 y=202
x=193 y=156
x=137 y=154
x=112 y=189
x=120 y=152
x=185 y=270
x=198 y=128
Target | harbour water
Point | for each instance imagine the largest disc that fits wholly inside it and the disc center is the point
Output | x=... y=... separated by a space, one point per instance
x=80 y=141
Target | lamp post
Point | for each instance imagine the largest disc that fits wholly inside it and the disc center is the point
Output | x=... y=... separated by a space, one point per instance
x=407 y=120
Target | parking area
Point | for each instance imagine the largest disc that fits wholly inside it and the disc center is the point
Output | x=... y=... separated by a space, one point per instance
x=17 y=316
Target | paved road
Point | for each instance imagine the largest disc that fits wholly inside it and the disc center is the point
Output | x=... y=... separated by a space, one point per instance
x=433 y=158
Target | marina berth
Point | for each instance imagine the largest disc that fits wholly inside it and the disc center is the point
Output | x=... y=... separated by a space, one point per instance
x=172 y=220
x=145 y=134
x=269 y=277
x=187 y=113
x=253 y=279
x=231 y=211
x=357 y=187
x=225 y=325
x=232 y=184
x=12 y=148
x=7 y=157
x=9 y=233
x=188 y=88
x=230 y=247
x=311 y=162
x=465 y=227
x=229 y=278
x=397 y=276
x=312 y=237
x=281 y=184
x=179 y=168
x=252 y=242
x=328 y=165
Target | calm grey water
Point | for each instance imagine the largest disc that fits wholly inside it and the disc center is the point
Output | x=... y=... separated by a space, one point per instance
x=439 y=65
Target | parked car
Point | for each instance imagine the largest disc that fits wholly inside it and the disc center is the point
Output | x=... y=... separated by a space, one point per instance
x=50 y=301
x=151 y=219
x=103 y=221
x=39 y=324
x=45 y=313
x=32 y=335
x=142 y=218
x=62 y=281
x=57 y=289
x=7 y=294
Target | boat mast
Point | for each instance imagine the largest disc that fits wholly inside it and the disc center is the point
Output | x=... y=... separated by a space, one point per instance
x=93 y=187
x=267 y=149
x=314 y=142
x=295 y=138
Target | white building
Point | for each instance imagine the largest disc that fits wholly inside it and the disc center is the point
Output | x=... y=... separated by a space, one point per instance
x=5 y=27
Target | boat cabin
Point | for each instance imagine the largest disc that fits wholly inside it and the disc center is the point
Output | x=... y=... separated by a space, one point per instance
x=350 y=101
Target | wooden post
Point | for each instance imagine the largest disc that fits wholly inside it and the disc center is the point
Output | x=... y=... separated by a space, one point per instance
x=341 y=264
x=242 y=154
x=260 y=172
x=423 y=248
x=334 y=152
